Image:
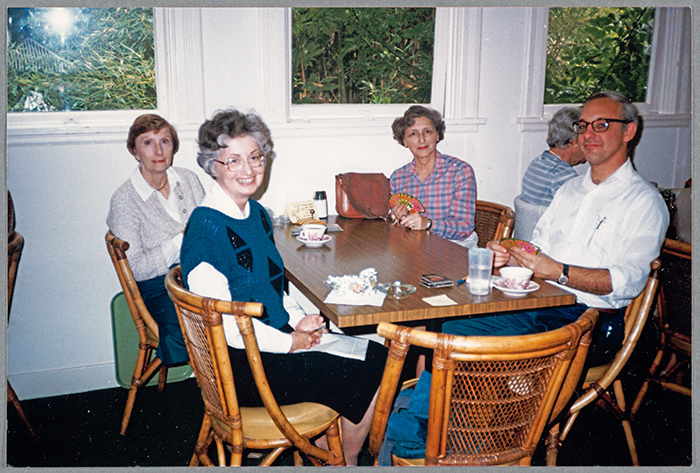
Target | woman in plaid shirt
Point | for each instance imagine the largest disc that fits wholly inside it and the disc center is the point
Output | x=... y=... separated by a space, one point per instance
x=446 y=186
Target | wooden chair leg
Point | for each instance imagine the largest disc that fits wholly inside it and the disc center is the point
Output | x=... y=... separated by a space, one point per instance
x=553 y=444
x=645 y=386
x=12 y=397
x=162 y=377
x=626 y=426
x=298 y=461
x=142 y=374
x=335 y=444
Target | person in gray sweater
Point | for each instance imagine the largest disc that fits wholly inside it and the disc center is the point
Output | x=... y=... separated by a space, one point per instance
x=150 y=211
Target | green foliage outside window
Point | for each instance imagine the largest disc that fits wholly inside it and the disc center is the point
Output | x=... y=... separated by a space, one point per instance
x=362 y=55
x=106 y=63
x=595 y=49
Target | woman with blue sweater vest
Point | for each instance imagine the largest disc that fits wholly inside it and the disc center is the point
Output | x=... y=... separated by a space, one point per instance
x=228 y=252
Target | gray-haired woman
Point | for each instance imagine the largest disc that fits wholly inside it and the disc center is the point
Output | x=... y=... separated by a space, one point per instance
x=229 y=253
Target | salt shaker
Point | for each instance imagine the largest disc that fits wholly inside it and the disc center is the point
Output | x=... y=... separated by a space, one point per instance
x=320 y=204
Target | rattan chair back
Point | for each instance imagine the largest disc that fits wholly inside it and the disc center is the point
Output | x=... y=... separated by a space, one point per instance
x=146 y=362
x=270 y=427
x=600 y=381
x=490 y=397
x=493 y=221
x=673 y=321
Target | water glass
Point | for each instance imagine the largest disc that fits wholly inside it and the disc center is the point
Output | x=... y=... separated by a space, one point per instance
x=480 y=268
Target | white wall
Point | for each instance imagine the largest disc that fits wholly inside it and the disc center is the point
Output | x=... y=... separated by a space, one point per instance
x=60 y=338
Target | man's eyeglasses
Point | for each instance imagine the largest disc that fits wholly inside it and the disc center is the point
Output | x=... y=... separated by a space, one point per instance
x=600 y=125
x=235 y=164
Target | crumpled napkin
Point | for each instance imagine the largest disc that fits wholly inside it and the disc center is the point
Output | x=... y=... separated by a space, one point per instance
x=355 y=289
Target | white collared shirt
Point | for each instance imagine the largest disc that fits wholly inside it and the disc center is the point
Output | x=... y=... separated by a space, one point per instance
x=207 y=281
x=619 y=225
x=170 y=248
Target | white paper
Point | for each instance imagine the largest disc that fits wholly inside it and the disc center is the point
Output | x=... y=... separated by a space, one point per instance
x=440 y=300
x=341 y=345
x=375 y=298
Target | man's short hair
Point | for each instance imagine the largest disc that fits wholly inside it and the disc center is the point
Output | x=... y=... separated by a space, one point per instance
x=561 y=127
x=629 y=110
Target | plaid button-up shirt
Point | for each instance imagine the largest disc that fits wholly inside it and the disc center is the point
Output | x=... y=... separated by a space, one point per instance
x=448 y=194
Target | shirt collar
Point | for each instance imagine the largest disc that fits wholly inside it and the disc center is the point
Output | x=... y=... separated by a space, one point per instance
x=219 y=200
x=622 y=174
x=144 y=189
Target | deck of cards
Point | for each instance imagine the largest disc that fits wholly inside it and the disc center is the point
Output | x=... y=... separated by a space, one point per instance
x=435 y=281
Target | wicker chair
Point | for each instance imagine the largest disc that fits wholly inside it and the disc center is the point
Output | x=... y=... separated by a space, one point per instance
x=146 y=362
x=15 y=243
x=600 y=380
x=492 y=221
x=490 y=397
x=673 y=320
x=271 y=427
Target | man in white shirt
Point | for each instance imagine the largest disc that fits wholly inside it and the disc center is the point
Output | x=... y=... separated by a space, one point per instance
x=598 y=236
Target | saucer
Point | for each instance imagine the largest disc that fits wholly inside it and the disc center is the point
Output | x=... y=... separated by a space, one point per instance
x=531 y=287
x=315 y=243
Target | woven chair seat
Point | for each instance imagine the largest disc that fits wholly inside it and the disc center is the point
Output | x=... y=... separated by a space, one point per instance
x=307 y=418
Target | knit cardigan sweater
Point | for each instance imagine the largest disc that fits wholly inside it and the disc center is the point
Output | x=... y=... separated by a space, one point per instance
x=145 y=224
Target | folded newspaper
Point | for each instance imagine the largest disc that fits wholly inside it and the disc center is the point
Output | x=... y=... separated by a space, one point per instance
x=341 y=345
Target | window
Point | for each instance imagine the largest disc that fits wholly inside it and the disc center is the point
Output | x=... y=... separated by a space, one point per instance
x=593 y=49
x=80 y=59
x=362 y=55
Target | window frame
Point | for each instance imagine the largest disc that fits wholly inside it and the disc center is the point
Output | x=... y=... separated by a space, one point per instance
x=178 y=89
x=454 y=88
x=662 y=106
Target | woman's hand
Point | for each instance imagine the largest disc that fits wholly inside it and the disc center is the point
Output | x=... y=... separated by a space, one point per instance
x=414 y=221
x=309 y=323
x=304 y=340
x=400 y=211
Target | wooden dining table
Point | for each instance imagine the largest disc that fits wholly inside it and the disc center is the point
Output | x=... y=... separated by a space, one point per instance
x=398 y=254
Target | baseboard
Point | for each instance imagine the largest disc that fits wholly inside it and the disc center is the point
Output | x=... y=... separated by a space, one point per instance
x=58 y=382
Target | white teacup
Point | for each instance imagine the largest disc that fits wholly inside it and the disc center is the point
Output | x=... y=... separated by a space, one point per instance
x=515 y=277
x=312 y=231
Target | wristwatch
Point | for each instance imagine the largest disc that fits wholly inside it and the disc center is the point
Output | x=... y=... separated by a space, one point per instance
x=430 y=224
x=564 y=276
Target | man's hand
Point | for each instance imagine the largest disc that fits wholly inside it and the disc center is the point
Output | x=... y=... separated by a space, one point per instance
x=501 y=256
x=542 y=265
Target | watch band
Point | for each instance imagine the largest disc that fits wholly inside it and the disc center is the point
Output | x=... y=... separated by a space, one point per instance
x=430 y=224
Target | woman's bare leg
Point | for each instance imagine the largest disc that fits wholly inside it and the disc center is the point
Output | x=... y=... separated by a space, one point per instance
x=354 y=435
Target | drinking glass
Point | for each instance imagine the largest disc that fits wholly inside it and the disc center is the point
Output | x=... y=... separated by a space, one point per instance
x=480 y=267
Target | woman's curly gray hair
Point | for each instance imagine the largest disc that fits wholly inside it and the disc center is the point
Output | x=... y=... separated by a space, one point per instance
x=215 y=133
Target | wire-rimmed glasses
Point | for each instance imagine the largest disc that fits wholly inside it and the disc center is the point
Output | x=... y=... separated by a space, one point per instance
x=235 y=164
x=600 y=125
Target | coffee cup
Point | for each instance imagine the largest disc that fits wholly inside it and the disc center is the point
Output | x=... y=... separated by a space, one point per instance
x=515 y=277
x=312 y=231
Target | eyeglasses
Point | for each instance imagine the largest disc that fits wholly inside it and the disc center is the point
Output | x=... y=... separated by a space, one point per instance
x=235 y=164
x=600 y=125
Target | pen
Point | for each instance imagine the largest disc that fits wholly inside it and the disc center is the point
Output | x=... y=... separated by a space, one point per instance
x=462 y=280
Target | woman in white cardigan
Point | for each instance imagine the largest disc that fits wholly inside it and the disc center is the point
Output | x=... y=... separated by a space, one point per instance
x=150 y=211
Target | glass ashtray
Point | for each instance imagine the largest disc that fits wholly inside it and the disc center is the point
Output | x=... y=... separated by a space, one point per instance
x=397 y=289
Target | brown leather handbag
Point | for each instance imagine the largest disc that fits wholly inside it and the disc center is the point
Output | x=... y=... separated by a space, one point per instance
x=362 y=195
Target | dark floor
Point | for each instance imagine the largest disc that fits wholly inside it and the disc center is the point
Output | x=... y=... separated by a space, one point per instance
x=82 y=430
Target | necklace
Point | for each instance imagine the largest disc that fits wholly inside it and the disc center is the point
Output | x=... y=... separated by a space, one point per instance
x=163 y=186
